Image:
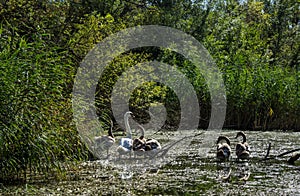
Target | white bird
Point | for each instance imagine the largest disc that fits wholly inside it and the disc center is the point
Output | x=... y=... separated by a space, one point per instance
x=125 y=146
x=105 y=142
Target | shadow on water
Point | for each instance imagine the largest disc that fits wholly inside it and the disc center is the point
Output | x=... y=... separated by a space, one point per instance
x=188 y=174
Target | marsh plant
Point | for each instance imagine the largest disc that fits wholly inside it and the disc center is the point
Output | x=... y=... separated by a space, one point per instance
x=255 y=45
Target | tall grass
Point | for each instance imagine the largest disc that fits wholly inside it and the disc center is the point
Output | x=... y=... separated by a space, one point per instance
x=36 y=126
x=262 y=98
x=37 y=132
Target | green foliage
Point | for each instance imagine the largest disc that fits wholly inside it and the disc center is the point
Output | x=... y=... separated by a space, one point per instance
x=36 y=119
x=254 y=43
x=241 y=39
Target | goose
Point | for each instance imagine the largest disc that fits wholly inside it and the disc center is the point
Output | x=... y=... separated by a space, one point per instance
x=242 y=148
x=105 y=142
x=223 y=149
x=125 y=146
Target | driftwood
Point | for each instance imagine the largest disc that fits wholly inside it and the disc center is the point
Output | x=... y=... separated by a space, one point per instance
x=291 y=159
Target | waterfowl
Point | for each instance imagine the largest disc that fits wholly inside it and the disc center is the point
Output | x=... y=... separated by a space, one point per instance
x=152 y=144
x=125 y=146
x=141 y=145
x=223 y=148
x=152 y=147
x=242 y=148
x=105 y=142
x=138 y=144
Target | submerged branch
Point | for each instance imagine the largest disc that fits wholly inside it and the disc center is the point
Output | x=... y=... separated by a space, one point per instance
x=282 y=154
x=293 y=158
x=288 y=152
x=268 y=151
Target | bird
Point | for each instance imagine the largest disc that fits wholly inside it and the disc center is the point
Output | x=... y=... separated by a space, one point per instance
x=143 y=146
x=138 y=144
x=125 y=145
x=105 y=142
x=152 y=144
x=152 y=148
x=242 y=148
x=223 y=148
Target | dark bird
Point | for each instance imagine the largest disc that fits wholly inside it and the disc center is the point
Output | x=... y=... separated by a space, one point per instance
x=223 y=148
x=138 y=144
x=141 y=144
x=242 y=148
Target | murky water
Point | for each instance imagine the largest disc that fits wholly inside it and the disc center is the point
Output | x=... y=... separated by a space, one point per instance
x=188 y=174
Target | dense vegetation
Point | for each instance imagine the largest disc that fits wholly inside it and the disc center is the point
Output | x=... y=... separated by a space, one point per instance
x=254 y=43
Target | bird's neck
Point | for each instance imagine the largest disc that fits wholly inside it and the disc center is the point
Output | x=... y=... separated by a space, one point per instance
x=244 y=138
x=110 y=132
x=127 y=127
x=142 y=133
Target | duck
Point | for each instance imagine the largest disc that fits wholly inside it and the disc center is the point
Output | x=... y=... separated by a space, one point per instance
x=223 y=148
x=105 y=142
x=242 y=148
x=125 y=146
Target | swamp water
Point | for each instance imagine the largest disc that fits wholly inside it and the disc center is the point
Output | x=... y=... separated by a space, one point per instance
x=188 y=174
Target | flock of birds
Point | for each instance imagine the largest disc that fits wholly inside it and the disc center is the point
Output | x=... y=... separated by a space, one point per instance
x=241 y=148
x=140 y=146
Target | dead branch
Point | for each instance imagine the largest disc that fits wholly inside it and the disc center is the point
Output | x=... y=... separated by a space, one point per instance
x=282 y=154
x=268 y=151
